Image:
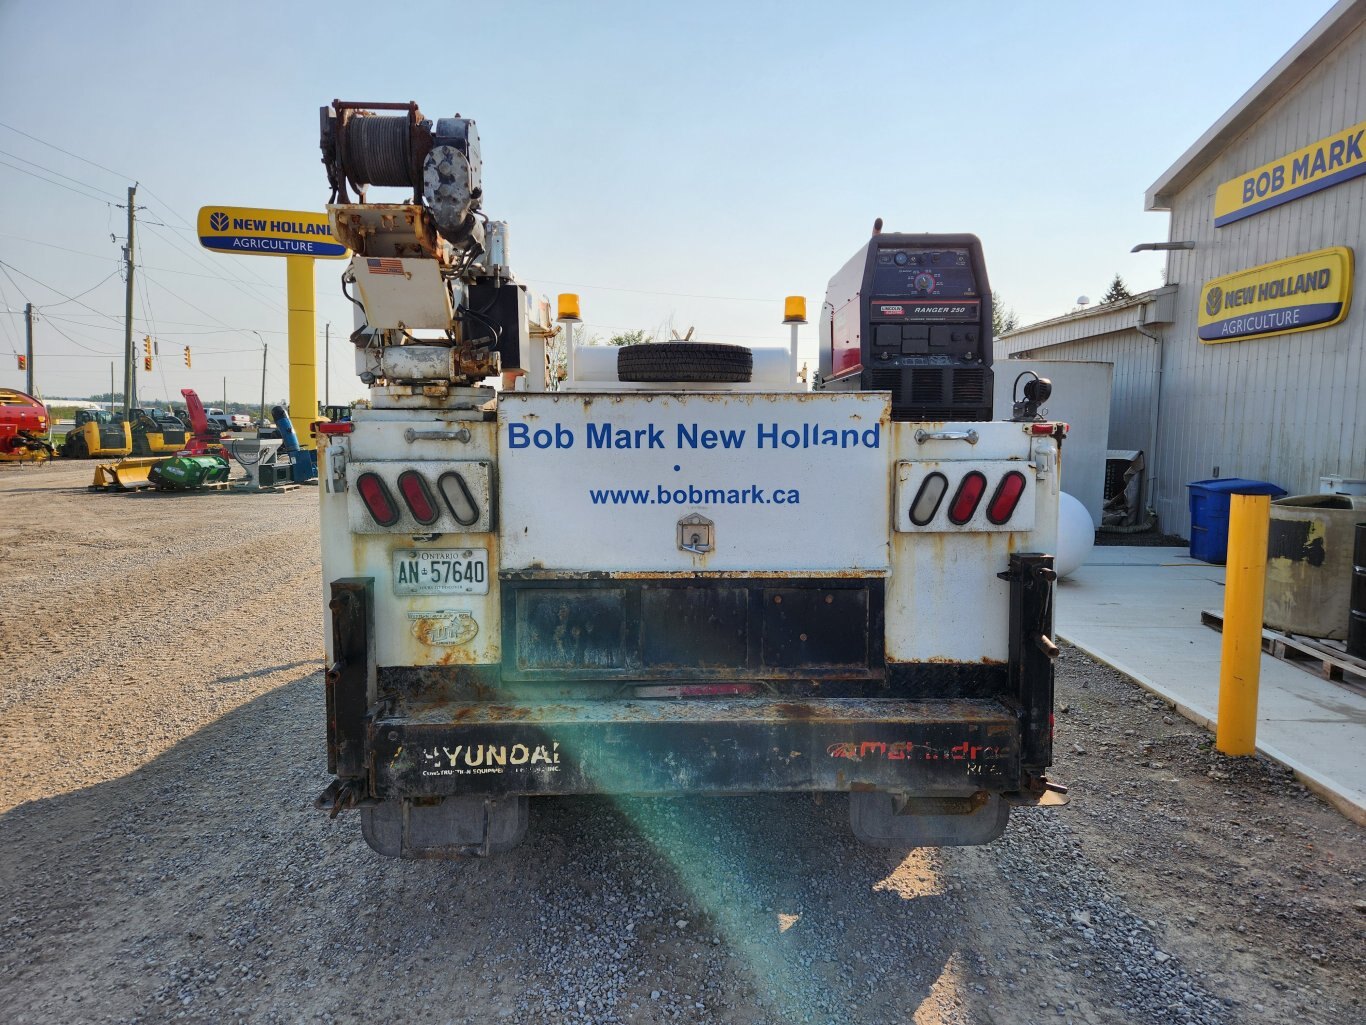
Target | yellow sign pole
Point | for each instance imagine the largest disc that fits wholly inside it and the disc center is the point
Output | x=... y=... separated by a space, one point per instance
x=1244 y=590
x=303 y=361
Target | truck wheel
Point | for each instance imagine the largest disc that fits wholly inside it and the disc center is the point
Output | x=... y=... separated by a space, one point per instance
x=685 y=361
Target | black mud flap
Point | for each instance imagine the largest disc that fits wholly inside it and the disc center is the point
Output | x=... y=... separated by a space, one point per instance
x=453 y=827
x=886 y=820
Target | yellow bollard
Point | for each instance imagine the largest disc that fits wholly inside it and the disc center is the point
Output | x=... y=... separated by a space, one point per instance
x=1241 y=658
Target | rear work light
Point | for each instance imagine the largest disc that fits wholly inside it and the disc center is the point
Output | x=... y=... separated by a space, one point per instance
x=1007 y=497
x=415 y=492
x=377 y=499
x=459 y=499
x=927 y=499
x=968 y=497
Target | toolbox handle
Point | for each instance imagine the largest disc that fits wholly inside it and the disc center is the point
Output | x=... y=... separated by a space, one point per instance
x=922 y=436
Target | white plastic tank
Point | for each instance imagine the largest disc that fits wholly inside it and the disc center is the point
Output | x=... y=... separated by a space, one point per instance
x=1076 y=535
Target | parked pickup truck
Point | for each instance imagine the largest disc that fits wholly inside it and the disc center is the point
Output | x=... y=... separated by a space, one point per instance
x=229 y=421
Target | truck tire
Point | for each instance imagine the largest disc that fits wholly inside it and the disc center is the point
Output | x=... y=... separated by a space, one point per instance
x=662 y=362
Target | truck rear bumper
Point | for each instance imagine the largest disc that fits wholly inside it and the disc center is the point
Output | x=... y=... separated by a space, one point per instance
x=694 y=746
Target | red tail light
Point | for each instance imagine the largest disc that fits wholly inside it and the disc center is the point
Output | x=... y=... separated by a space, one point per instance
x=968 y=497
x=418 y=496
x=928 y=498
x=1006 y=498
x=377 y=499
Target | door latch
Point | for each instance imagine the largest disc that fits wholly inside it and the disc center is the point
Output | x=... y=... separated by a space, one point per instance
x=695 y=534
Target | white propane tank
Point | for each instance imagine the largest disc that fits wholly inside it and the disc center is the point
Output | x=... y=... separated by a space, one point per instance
x=1076 y=535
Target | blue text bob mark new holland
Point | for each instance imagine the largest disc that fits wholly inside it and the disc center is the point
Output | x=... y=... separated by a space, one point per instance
x=693 y=436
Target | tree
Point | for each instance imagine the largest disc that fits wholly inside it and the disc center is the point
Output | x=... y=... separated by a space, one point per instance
x=1003 y=318
x=1118 y=292
x=636 y=337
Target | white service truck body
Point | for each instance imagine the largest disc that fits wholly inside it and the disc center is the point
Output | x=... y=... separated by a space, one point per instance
x=672 y=569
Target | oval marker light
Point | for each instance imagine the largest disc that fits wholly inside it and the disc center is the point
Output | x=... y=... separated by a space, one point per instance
x=415 y=492
x=927 y=499
x=968 y=497
x=1006 y=498
x=375 y=495
x=458 y=498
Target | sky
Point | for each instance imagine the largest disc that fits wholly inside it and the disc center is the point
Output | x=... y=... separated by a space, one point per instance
x=677 y=166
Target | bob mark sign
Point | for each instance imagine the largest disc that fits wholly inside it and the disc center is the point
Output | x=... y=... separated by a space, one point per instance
x=1319 y=165
x=1298 y=294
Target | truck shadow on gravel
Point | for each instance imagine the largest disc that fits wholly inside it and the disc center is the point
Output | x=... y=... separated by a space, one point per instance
x=206 y=884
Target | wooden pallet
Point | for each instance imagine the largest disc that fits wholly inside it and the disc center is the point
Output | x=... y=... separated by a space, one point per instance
x=152 y=489
x=1325 y=658
x=273 y=489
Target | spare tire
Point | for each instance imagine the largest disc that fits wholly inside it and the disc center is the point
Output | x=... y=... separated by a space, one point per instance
x=685 y=361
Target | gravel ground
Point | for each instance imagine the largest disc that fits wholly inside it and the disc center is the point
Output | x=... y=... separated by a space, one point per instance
x=161 y=743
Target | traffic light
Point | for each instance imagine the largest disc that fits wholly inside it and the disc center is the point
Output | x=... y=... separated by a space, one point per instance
x=147 y=348
x=147 y=363
x=187 y=355
x=23 y=362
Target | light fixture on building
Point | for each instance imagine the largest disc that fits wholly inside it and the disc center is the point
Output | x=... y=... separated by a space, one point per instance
x=1161 y=246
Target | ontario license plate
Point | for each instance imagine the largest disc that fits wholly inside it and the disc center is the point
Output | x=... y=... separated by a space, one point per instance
x=441 y=571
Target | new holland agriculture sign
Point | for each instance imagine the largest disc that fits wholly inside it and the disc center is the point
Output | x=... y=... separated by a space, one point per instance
x=1318 y=166
x=240 y=229
x=1303 y=292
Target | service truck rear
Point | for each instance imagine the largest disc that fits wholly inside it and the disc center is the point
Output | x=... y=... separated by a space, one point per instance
x=670 y=570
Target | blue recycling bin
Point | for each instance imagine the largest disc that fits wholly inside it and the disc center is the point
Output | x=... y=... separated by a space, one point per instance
x=1209 y=513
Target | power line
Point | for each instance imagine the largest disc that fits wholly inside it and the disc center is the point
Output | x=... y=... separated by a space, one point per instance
x=67 y=177
x=10 y=267
x=125 y=177
x=197 y=309
x=10 y=336
x=209 y=328
x=35 y=174
x=98 y=352
x=194 y=233
x=225 y=325
x=217 y=276
x=77 y=296
x=59 y=149
x=222 y=275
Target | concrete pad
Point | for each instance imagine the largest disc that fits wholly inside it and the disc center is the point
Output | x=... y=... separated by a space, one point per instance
x=1138 y=610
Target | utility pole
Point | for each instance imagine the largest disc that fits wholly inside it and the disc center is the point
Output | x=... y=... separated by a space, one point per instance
x=28 y=329
x=327 y=363
x=128 y=372
x=265 y=349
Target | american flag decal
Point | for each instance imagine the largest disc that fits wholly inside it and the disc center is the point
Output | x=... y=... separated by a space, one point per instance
x=385 y=266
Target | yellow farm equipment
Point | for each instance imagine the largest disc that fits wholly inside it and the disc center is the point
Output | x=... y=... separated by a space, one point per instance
x=96 y=433
x=125 y=475
x=155 y=434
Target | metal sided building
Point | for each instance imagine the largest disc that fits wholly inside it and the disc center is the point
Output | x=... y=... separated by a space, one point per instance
x=1252 y=361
